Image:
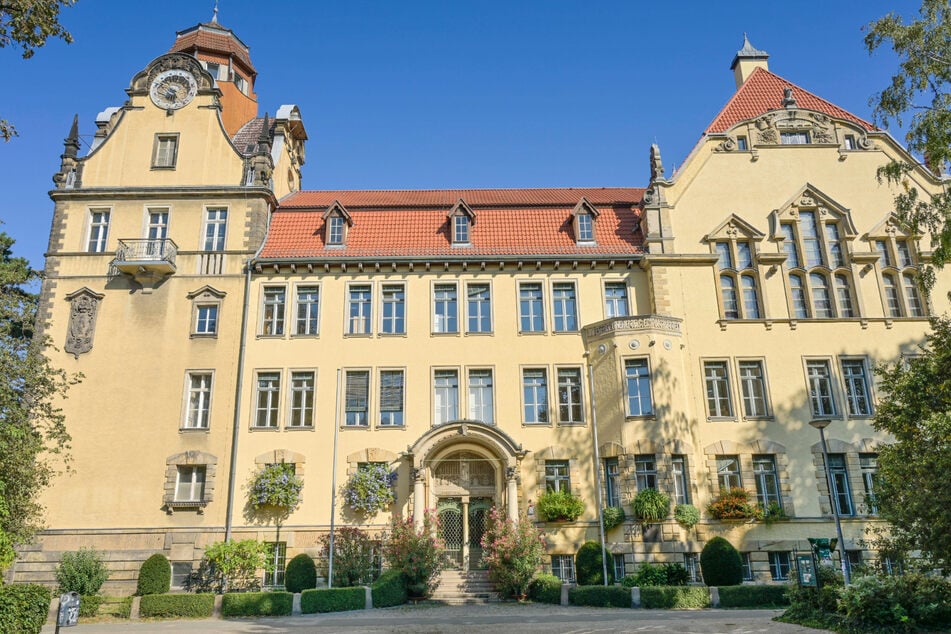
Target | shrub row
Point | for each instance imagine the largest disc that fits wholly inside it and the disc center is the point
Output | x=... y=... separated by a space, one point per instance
x=600 y=596
x=545 y=589
x=23 y=608
x=89 y=605
x=753 y=596
x=177 y=605
x=118 y=607
x=675 y=597
x=257 y=604
x=332 y=600
x=389 y=589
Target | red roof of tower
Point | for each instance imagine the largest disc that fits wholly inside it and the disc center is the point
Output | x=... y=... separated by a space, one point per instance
x=213 y=38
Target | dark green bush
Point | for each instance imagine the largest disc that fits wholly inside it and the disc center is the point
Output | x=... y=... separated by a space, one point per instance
x=589 y=566
x=646 y=575
x=83 y=572
x=680 y=597
x=600 y=596
x=613 y=516
x=896 y=604
x=301 y=574
x=676 y=574
x=257 y=604
x=721 y=563
x=815 y=607
x=545 y=589
x=332 y=600
x=89 y=605
x=651 y=505
x=155 y=576
x=556 y=506
x=117 y=607
x=23 y=608
x=389 y=589
x=753 y=596
x=170 y=606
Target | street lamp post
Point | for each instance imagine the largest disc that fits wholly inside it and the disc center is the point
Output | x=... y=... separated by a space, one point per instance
x=821 y=425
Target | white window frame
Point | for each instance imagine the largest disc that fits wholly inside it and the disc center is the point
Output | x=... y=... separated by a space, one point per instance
x=199 y=412
x=713 y=386
x=852 y=400
x=627 y=384
x=165 y=150
x=728 y=478
x=780 y=565
x=336 y=230
x=531 y=316
x=473 y=403
x=541 y=411
x=392 y=325
x=388 y=416
x=616 y=306
x=461 y=230
x=273 y=324
x=192 y=483
x=273 y=409
x=444 y=400
x=680 y=478
x=563 y=567
x=480 y=317
x=570 y=404
x=569 y=318
x=214 y=231
x=306 y=411
x=97 y=234
x=734 y=278
x=443 y=321
x=834 y=266
x=745 y=398
x=360 y=324
x=359 y=422
x=815 y=399
x=210 y=327
x=309 y=319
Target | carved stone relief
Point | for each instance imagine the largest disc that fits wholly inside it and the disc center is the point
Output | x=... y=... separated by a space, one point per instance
x=84 y=307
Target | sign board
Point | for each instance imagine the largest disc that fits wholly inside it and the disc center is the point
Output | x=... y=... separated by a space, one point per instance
x=823 y=547
x=68 y=614
x=806 y=569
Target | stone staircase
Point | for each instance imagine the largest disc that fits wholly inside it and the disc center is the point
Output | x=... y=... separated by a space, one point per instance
x=457 y=587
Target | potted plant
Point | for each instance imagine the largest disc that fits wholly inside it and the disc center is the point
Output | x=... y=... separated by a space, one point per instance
x=687 y=515
x=560 y=506
x=733 y=504
x=613 y=516
x=650 y=505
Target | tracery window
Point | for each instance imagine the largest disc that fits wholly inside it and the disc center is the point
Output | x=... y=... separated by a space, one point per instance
x=897 y=265
x=737 y=273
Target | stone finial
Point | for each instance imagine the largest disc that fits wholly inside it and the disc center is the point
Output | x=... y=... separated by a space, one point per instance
x=214 y=15
x=657 y=166
x=264 y=139
x=71 y=142
x=788 y=100
x=748 y=59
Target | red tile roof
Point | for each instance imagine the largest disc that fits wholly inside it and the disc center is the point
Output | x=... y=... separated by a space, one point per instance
x=509 y=222
x=763 y=91
x=212 y=38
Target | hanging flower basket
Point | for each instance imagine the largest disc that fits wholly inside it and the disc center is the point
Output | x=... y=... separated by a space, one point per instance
x=370 y=489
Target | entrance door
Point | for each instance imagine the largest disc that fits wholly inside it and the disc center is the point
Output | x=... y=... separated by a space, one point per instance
x=450 y=515
x=477 y=517
x=461 y=527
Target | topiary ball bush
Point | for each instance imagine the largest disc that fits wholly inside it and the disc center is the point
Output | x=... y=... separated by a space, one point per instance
x=301 y=574
x=721 y=563
x=155 y=576
x=589 y=568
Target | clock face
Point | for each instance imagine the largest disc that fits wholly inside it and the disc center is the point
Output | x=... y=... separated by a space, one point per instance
x=173 y=89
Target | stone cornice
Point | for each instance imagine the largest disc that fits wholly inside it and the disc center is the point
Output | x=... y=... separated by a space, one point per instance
x=434 y=263
x=123 y=193
x=679 y=259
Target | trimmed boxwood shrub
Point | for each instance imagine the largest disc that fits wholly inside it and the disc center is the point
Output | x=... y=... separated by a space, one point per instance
x=177 y=605
x=753 y=596
x=589 y=567
x=155 y=576
x=545 y=588
x=118 y=607
x=23 y=608
x=721 y=563
x=389 y=589
x=257 y=604
x=332 y=600
x=675 y=597
x=89 y=605
x=301 y=574
x=600 y=596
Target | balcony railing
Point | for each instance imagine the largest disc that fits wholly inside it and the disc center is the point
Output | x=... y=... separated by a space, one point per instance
x=147 y=260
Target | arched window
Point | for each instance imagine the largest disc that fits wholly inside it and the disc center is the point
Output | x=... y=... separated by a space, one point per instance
x=821 y=301
x=843 y=292
x=738 y=273
x=731 y=309
x=893 y=305
x=800 y=306
x=898 y=266
x=750 y=297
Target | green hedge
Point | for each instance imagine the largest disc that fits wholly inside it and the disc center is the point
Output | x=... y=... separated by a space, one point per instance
x=753 y=596
x=545 y=589
x=89 y=605
x=389 y=589
x=257 y=604
x=675 y=597
x=177 y=605
x=23 y=608
x=118 y=607
x=155 y=576
x=600 y=596
x=333 y=600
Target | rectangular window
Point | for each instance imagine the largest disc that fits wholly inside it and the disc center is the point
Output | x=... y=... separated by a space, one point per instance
x=273 y=318
x=216 y=225
x=557 y=476
x=692 y=564
x=645 y=471
x=190 y=484
x=779 y=565
x=358 y=310
x=841 y=491
x=612 y=482
x=446 y=396
x=834 y=243
x=717 y=383
x=790 y=247
x=98 y=230
x=857 y=395
x=884 y=255
x=681 y=479
x=394 y=309
x=809 y=232
x=216 y=70
x=585 y=227
x=565 y=309
x=308 y=310
x=277 y=556
x=268 y=399
x=531 y=307
x=741 y=143
x=728 y=472
x=638 y=387
x=868 y=462
x=767 y=482
x=157 y=228
x=481 y=405
x=357 y=398
x=819 y=374
x=615 y=299
x=794 y=138
x=206 y=319
x=904 y=253
x=753 y=387
x=241 y=83
x=165 y=152
x=181 y=573
x=335 y=229
x=445 y=308
x=563 y=567
x=724 y=256
x=620 y=570
x=535 y=395
x=302 y=399
x=391 y=398
x=853 y=560
x=460 y=229
x=849 y=142
x=747 y=567
x=479 y=308
x=570 y=406
x=197 y=414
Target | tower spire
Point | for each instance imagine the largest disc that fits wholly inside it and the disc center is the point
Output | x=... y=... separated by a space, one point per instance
x=214 y=17
x=71 y=142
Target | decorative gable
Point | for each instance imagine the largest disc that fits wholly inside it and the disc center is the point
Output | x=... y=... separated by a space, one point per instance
x=892 y=226
x=733 y=228
x=809 y=198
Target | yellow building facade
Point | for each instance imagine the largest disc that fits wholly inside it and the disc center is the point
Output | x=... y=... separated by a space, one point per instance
x=487 y=345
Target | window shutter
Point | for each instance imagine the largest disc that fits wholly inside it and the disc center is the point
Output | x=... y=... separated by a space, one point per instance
x=391 y=391
x=358 y=384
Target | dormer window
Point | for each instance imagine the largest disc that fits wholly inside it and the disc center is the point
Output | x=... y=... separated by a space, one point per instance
x=460 y=229
x=335 y=230
x=337 y=220
x=794 y=138
x=461 y=219
x=584 y=216
x=585 y=228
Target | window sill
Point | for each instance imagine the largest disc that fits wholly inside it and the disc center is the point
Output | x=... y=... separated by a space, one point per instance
x=299 y=428
x=386 y=335
x=194 y=430
x=355 y=427
x=641 y=417
x=395 y=427
x=275 y=428
x=195 y=505
x=444 y=334
x=261 y=336
x=757 y=418
x=572 y=424
x=565 y=332
x=316 y=335
x=163 y=168
x=358 y=335
x=204 y=335
x=480 y=333
x=721 y=419
x=524 y=424
x=534 y=333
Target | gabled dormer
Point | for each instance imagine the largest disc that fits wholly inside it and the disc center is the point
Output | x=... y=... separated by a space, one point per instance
x=812 y=201
x=461 y=220
x=583 y=220
x=337 y=223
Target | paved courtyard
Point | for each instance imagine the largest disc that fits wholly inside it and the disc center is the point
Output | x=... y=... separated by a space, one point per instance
x=507 y=618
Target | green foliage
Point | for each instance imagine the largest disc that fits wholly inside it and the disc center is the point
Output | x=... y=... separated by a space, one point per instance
x=545 y=588
x=555 y=506
x=23 y=608
x=753 y=596
x=417 y=554
x=82 y=571
x=613 y=516
x=353 y=556
x=257 y=604
x=234 y=565
x=116 y=607
x=170 y=606
x=648 y=575
x=370 y=488
x=332 y=600
x=650 y=505
x=300 y=574
x=389 y=589
x=896 y=604
x=89 y=605
x=274 y=492
x=721 y=563
x=513 y=553
x=155 y=575
x=732 y=504
x=600 y=596
x=687 y=515
x=589 y=568
x=814 y=607
x=675 y=598
x=676 y=574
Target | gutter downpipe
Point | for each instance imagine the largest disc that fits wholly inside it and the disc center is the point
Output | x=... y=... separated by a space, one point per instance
x=238 y=388
x=597 y=469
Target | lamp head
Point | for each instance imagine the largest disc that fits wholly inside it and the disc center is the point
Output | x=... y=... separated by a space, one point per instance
x=820 y=423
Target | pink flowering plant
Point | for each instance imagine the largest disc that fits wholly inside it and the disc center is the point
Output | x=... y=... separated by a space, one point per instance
x=418 y=554
x=370 y=489
x=513 y=553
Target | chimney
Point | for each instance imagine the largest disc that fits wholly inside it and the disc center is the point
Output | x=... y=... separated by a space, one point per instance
x=747 y=59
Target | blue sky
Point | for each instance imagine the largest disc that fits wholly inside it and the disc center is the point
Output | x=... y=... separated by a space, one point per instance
x=428 y=95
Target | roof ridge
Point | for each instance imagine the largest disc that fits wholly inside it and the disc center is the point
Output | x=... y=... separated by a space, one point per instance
x=456 y=189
